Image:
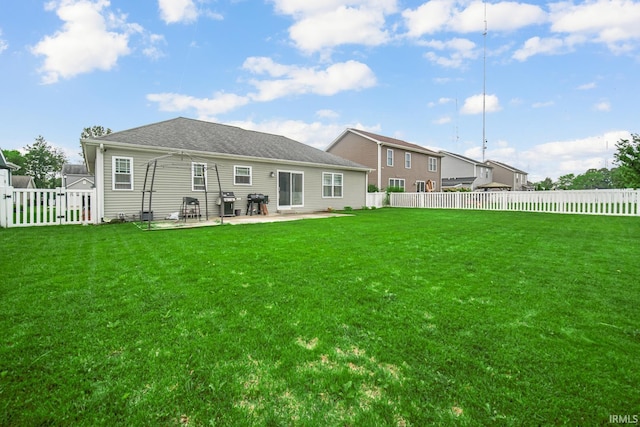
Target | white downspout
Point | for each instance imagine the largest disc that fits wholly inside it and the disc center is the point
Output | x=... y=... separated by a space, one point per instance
x=99 y=183
x=379 y=166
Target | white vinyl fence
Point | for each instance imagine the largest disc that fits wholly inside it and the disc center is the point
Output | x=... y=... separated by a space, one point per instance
x=32 y=207
x=593 y=202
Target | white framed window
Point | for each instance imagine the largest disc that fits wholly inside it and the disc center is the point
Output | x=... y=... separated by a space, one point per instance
x=407 y=160
x=389 y=157
x=122 y=173
x=421 y=186
x=433 y=164
x=198 y=176
x=331 y=185
x=396 y=182
x=242 y=175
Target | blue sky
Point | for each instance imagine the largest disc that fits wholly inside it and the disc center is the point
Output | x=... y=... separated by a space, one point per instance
x=562 y=78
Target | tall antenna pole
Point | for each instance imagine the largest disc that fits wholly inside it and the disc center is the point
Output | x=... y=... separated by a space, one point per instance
x=484 y=84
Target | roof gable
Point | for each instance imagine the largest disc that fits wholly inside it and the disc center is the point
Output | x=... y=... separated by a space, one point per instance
x=386 y=140
x=465 y=159
x=201 y=136
x=69 y=169
x=506 y=166
x=22 y=181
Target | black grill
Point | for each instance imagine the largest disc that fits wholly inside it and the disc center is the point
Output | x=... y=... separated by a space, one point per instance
x=228 y=196
x=227 y=203
x=256 y=203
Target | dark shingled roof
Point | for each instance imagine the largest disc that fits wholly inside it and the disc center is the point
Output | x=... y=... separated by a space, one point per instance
x=196 y=135
x=394 y=141
x=74 y=169
x=22 y=181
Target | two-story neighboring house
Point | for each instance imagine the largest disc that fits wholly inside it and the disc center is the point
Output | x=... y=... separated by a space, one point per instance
x=393 y=162
x=463 y=172
x=516 y=179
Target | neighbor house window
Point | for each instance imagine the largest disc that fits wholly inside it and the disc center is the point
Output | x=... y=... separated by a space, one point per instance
x=407 y=160
x=198 y=176
x=123 y=173
x=242 y=175
x=389 y=157
x=331 y=184
x=396 y=182
x=421 y=186
x=433 y=164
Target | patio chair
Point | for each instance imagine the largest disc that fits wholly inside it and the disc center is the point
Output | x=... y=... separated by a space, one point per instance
x=190 y=208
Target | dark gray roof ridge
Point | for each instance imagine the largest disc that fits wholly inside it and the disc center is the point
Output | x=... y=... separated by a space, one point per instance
x=197 y=135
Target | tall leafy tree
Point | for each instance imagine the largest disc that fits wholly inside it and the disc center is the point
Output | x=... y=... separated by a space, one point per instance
x=592 y=179
x=43 y=162
x=565 y=182
x=628 y=159
x=94 y=132
x=15 y=157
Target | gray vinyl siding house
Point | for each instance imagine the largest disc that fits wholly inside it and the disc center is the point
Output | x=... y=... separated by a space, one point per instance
x=188 y=153
x=462 y=172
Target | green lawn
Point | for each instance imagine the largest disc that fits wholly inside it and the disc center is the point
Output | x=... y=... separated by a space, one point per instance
x=389 y=317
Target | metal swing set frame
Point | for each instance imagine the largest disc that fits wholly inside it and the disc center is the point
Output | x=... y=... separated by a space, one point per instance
x=152 y=166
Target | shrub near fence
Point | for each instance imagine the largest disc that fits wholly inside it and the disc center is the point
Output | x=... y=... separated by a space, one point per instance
x=593 y=202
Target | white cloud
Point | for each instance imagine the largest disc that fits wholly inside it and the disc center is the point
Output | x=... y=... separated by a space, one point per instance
x=289 y=80
x=292 y=80
x=341 y=26
x=543 y=104
x=441 y=101
x=174 y=11
x=152 y=49
x=299 y=8
x=499 y=151
x=442 y=120
x=4 y=45
x=587 y=86
x=554 y=159
x=557 y=158
x=206 y=108
x=460 y=51
x=315 y=134
x=467 y=17
x=501 y=16
x=428 y=18
x=473 y=104
x=602 y=106
x=612 y=22
x=86 y=42
x=327 y=114
x=537 y=45
x=321 y=25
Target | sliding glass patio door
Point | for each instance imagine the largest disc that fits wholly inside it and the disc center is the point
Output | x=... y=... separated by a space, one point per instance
x=290 y=189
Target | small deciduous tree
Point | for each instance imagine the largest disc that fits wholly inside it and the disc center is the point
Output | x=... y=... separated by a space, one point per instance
x=94 y=132
x=545 y=184
x=565 y=182
x=628 y=160
x=43 y=162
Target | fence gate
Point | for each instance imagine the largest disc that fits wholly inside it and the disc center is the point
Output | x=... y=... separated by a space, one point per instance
x=21 y=207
